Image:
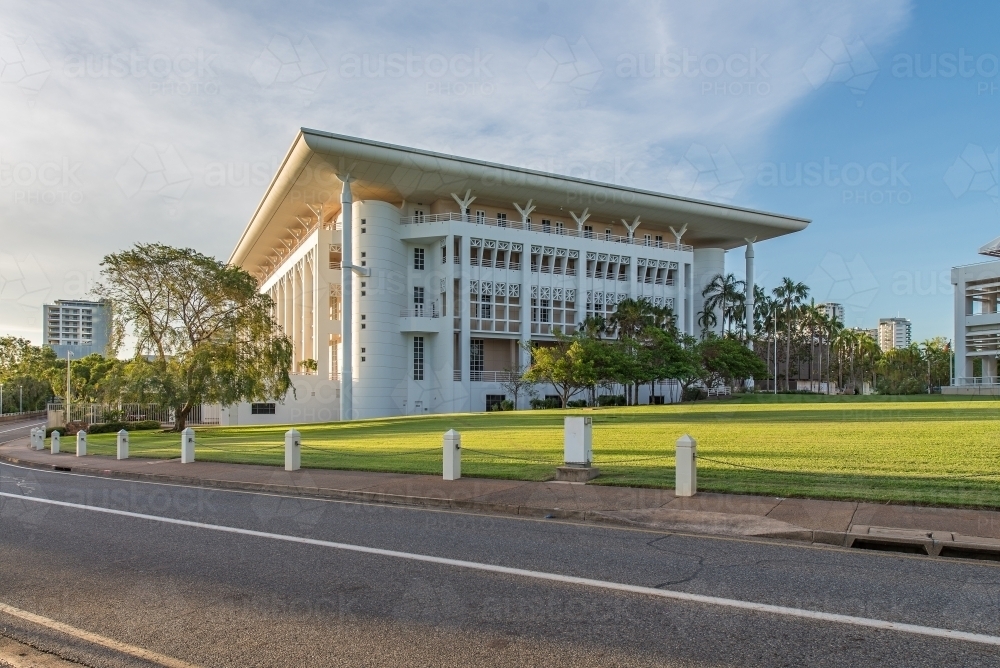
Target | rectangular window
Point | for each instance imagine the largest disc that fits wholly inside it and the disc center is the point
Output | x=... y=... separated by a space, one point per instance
x=546 y=226
x=476 y=355
x=262 y=409
x=559 y=227
x=501 y=220
x=588 y=231
x=480 y=217
x=607 y=234
x=418 y=301
x=444 y=254
x=659 y=244
x=646 y=239
x=486 y=306
x=417 y=215
x=418 y=358
x=418 y=258
x=493 y=401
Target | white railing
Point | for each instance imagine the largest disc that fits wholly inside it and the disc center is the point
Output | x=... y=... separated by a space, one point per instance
x=336 y=265
x=418 y=312
x=96 y=413
x=722 y=391
x=980 y=381
x=531 y=227
x=490 y=376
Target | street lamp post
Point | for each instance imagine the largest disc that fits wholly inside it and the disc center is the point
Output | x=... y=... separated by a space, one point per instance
x=20 y=398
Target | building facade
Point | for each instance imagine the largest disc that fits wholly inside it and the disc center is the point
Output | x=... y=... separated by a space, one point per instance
x=77 y=327
x=893 y=333
x=832 y=310
x=422 y=277
x=977 y=325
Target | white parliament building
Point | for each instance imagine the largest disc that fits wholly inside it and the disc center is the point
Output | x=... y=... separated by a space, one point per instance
x=977 y=325
x=409 y=281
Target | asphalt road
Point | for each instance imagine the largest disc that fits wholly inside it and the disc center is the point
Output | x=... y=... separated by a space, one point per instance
x=216 y=598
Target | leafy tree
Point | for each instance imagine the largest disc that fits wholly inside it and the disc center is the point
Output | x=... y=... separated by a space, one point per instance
x=516 y=382
x=790 y=295
x=206 y=328
x=24 y=372
x=729 y=361
x=564 y=365
x=723 y=294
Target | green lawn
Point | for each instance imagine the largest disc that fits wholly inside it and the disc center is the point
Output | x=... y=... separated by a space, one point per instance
x=930 y=450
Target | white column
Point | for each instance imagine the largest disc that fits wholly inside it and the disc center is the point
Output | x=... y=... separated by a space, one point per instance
x=452 y=455
x=749 y=296
x=465 y=335
x=448 y=307
x=347 y=304
x=303 y=311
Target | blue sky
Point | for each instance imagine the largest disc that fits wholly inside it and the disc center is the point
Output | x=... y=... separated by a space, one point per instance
x=133 y=122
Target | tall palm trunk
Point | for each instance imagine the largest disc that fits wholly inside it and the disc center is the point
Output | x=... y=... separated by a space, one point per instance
x=788 y=354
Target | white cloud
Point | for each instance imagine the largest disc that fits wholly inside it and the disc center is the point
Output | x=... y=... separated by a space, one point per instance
x=160 y=118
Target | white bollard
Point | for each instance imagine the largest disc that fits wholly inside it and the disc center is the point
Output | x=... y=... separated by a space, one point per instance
x=54 y=442
x=452 y=455
x=81 y=443
x=187 y=445
x=38 y=442
x=293 y=450
x=33 y=438
x=686 y=467
x=123 y=444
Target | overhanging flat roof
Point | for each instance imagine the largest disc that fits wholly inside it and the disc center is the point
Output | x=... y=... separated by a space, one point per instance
x=310 y=175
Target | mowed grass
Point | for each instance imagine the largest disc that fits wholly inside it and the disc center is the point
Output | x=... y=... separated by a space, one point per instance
x=928 y=450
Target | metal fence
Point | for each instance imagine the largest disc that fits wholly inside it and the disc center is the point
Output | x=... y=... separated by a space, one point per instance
x=96 y=413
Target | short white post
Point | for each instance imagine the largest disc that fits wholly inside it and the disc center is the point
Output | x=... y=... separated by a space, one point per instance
x=123 y=444
x=39 y=443
x=293 y=450
x=81 y=443
x=686 y=467
x=187 y=445
x=33 y=439
x=452 y=455
x=54 y=442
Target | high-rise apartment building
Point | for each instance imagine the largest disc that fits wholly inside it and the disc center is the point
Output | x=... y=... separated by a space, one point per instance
x=76 y=326
x=893 y=333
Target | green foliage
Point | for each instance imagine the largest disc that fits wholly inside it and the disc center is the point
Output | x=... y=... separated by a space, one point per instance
x=729 y=361
x=611 y=400
x=25 y=372
x=564 y=364
x=204 y=332
x=115 y=427
x=577 y=403
x=545 y=403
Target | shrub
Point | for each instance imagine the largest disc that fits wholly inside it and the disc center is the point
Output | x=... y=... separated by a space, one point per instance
x=506 y=405
x=114 y=427
x=694 y=394
x=544 y=403
x=577 y=403
x=611 y=400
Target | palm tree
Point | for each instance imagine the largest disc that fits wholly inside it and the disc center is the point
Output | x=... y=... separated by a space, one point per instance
x=790 y=295
x=724 y=292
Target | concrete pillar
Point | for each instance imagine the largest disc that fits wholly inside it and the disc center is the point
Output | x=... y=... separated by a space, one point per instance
x=989 y=369
x=465 y=358
x=452 y=455
x=708 y=263
x=305 y=283
x=187 y=445
x=448 y=331
x=685 y=467
x=81 y=443
x=296 y=276
x=347 y=303
x=54 y=439
x=749 y=296
x=293 y=449
x=122 y=444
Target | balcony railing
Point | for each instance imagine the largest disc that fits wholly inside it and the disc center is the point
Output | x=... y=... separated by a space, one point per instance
x=420 y=312
x=490 y=376
x=980 y=381
x=531 y=227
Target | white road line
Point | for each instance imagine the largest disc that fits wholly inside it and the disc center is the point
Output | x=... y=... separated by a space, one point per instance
x=23 y=426
x=554 y=577
x=96 y=639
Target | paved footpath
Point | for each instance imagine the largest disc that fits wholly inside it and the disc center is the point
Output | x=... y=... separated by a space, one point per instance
x=934 y=531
